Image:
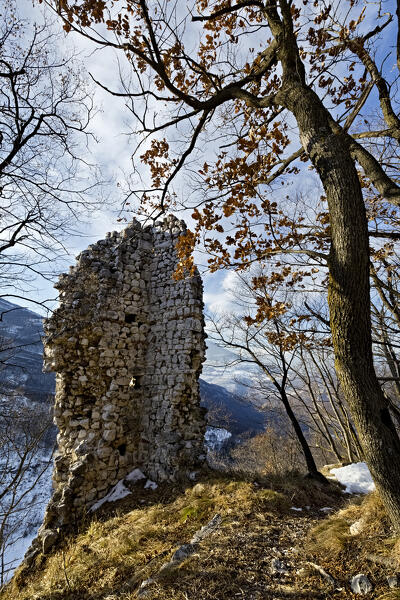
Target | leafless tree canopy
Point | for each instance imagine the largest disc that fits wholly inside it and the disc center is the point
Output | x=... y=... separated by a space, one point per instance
x=25 y=459
x=290 y=82
x=46 y=182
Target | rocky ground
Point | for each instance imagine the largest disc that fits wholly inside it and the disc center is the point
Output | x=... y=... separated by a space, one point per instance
x=220 y=539
x=265 y=559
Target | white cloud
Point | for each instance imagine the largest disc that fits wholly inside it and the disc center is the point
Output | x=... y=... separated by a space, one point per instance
x=218 y=295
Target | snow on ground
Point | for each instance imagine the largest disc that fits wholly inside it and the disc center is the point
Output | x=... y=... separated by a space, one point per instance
x=120 y=490
x=135 y=475
x=356 y=477
x=32 y=510
x=23 y=524
x=150 y=485
x=15 y=553
x=215 y=438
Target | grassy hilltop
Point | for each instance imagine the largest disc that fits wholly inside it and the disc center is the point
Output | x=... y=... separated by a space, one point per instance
x=127 y=543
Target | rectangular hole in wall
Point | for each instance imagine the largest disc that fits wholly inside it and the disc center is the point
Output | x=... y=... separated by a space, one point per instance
x=129 y=318
x=135 y=382
x=122 y=449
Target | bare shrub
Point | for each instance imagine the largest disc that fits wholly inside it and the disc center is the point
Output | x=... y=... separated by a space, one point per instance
x=268 y=453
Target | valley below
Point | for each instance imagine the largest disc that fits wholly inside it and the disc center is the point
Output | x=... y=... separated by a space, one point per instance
x=230 y=533
x=27 y=397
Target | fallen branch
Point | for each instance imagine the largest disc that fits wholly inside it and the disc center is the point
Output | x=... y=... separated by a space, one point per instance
x=181 y=554
x=323 y=573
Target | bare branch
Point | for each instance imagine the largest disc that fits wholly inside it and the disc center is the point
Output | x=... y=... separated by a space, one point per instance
x=228 y=9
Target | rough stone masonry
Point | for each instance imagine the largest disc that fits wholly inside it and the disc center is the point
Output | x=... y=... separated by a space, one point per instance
x=127 y=344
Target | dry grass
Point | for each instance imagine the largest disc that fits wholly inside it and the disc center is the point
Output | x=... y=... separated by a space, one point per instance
x=268 y=453
x=333 y=534
x=114 y=556
x=302 y=491
x=374 y=551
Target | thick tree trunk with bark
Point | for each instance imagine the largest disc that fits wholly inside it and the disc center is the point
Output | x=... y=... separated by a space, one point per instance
x=333 y=154
x=349 y=287
x=349 y=291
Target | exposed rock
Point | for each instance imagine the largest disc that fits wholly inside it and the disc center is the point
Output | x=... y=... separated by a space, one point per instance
x=393 y=580
x=206 y=530
x=48 y=537
x=127 y=344
x=357 y=527
x=278 y=567
x=181 y=554
x=360 y=584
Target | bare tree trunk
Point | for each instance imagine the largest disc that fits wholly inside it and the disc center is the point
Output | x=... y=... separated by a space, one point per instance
x=349 y=293
x=310 y=462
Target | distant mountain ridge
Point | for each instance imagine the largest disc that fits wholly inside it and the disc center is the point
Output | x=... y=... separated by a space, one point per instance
x=21 y=332
x=229 y=411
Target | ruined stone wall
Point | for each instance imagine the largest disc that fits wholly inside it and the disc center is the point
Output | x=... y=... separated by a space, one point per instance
x=127 y=344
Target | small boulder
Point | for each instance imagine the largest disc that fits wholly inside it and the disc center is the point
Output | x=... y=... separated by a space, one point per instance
x=393 y=580
x=198 y=490
x=49 y=538
x=207 y=530
x=183 y=552
x=278 y=567
x=360 y=584
x=357 y=527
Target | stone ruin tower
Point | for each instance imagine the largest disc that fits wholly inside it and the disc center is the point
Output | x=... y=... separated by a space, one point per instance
x=127 y=344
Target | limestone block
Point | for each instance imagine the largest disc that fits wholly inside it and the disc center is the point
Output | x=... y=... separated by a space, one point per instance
x=109 y=435
x=48 y=537
x=123 y=381
x=145 y=323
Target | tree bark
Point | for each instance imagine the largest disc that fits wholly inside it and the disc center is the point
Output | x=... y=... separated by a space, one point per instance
x=349 y=291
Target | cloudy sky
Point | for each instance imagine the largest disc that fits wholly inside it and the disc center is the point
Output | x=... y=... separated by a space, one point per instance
x=113 y=151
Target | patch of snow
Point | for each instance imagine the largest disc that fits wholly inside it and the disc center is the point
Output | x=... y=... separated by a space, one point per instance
x=118 y=492
x=150 y=485
x=356 y=477
x=215 y=437
x=326 y=509
x=22 y=525
x=135 y=475
x=15 y=553
x=295 y=508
